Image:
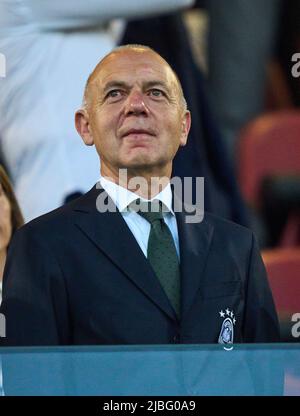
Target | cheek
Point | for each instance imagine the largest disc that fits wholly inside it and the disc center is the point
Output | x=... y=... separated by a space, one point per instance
x=173 y=132
x=104 y=132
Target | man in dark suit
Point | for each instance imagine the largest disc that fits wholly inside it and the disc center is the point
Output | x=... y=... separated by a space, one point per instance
x=106 y=269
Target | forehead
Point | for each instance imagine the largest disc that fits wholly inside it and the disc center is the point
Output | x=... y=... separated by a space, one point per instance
x=134 y=66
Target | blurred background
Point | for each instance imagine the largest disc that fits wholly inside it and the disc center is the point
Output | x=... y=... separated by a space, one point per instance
x=239 y=65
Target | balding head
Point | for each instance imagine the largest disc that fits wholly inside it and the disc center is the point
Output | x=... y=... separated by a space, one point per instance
x=132 y=49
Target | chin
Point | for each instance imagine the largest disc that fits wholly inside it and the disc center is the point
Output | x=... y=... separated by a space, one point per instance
x=139 y=161
x=145 y=164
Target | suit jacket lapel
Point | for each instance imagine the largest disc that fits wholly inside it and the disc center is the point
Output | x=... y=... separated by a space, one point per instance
x=194 y=241
x=109 y=232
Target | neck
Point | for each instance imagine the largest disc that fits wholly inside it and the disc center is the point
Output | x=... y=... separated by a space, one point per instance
x=2 y=262
x=145 y=184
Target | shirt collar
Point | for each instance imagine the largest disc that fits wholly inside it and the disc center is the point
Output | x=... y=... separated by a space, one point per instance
x=122 y=197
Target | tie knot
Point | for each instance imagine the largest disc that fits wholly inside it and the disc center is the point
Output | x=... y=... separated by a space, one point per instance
x=151 y=211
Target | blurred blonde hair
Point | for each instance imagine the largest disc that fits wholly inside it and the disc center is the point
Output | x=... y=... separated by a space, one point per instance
x=17 y=219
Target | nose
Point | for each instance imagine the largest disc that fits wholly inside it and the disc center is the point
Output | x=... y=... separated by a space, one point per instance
x=135 y=104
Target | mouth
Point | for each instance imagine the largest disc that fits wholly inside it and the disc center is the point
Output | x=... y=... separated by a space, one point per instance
x=138 y=138
x=138 y=133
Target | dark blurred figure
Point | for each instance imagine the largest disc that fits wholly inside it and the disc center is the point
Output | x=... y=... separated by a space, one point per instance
x=280 y=208
x=288 y=45
x=242 y=35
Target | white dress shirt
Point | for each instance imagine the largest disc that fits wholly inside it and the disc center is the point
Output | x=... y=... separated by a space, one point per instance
x=138 y=225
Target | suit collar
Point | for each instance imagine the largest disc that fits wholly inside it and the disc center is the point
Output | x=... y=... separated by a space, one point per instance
x=195 y=235
x=194 y=242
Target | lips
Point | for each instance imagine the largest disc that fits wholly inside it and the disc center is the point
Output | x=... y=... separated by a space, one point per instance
x=138 y=132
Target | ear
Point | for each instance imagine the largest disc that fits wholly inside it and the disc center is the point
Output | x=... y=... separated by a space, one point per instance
x=83 y=128
x=185 y=127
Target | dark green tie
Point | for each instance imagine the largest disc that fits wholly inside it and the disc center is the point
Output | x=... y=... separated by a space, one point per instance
x=161 y=251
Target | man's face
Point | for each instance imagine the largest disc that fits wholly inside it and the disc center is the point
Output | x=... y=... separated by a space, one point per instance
x=136 y=117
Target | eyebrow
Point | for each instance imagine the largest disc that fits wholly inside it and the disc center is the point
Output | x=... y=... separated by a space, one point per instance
x=122 y=84
x=114 y=84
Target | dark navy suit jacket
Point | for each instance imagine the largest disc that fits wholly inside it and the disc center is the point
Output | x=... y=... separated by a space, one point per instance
x=78 y=276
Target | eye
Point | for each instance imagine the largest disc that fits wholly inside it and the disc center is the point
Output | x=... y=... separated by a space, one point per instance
x=114 y=93
x=155 y=92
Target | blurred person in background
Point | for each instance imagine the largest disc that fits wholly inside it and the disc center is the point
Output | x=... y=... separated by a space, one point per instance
x=49 y=48
x=241 y=39
x=10 y=219
x=287 y=56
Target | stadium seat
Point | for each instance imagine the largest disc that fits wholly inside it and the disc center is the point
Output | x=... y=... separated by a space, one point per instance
x=269 y=147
